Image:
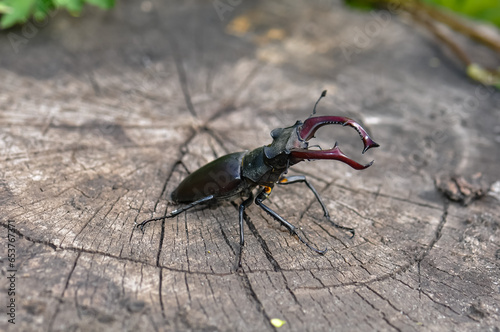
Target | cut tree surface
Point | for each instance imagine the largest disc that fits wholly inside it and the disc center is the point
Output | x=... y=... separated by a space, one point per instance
x=102 y=116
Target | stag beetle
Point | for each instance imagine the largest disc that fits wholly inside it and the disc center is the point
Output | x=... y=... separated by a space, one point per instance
x=239 y=173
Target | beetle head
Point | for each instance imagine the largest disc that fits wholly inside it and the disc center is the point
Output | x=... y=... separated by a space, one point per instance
x=293 y=141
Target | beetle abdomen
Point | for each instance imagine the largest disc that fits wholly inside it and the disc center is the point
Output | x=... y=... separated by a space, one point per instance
x=221 y=178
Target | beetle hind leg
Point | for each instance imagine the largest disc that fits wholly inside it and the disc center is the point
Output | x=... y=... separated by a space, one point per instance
x=293 y=230
x=175 y=212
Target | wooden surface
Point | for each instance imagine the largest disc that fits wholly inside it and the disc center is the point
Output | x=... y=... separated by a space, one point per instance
x=102 y=116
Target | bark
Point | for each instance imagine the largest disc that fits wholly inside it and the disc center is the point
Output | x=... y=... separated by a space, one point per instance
x=102 y=116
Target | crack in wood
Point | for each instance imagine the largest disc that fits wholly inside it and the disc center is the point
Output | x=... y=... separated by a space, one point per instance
x=444 y=305
x=437 y=236
x=181 y=73
x=56 y=312
x=174 y=166
x=397 y=198
x=220 y=141
x=392 y=305
x=229 y=107
x=287 y=287
x=187 y=243
x=361 y=264
x=253 y=295
x=87 y=222
x=107 y=213
x=28 y=238
x=433 y=300
x=93 y=82
x=160 y=296
x=382 y=313
x=402 y=268
x=79 y=251
x=224 y=235
x=277 y=268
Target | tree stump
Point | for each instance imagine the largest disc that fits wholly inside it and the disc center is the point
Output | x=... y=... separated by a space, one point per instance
x=102 y=116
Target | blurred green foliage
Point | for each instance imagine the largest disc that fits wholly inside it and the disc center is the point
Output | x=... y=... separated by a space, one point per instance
x=485 y=10
x=19 y=11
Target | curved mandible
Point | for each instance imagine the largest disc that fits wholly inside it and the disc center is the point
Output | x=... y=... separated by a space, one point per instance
x=311 y=125
x=333 y=154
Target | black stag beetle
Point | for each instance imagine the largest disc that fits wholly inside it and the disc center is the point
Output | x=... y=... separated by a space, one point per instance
x=239 y=173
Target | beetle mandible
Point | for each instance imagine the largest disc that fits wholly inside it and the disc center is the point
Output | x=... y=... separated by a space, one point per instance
x=240 y=172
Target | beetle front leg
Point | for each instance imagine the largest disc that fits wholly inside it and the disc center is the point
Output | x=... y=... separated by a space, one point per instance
x=175 y=212
x=301 y=178
x=263 y=195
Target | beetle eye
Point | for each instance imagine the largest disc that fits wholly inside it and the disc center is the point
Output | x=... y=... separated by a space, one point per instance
x=276 y=132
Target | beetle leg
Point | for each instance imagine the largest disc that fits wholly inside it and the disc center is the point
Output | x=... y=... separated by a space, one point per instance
x=263 y=195
x=243 y=205
x=175 y=212
x=301 y=178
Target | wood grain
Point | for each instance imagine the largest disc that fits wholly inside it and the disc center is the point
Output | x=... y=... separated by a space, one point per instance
x=102 y=116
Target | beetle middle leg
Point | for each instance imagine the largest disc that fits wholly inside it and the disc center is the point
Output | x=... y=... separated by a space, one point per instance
x=176 y=212
x=301 y=178
x=261 y=197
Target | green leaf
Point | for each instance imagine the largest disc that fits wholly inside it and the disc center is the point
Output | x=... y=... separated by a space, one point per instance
x=42 y=9
x=73 y=6
x=492 y=15
x=472 y=8
x=485 y=10
x=5 y=9
x=15 y=11
x=19 y=11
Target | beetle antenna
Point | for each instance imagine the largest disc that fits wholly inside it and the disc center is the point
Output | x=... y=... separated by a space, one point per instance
x=314 y=109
